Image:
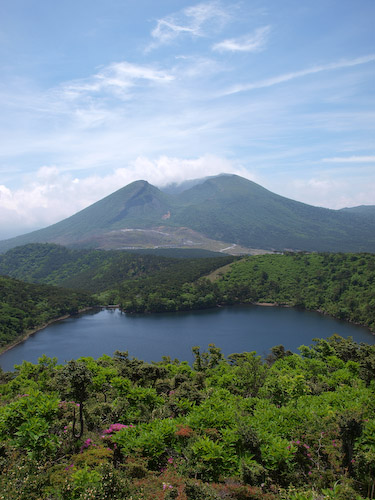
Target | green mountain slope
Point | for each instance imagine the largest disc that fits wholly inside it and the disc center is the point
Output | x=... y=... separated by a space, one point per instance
x=234 y=209
x=137 y=205
x=366 y=210
x=215 y=214
x=98 y=270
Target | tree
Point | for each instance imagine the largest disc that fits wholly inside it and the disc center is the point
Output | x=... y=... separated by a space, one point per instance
x=76 y=382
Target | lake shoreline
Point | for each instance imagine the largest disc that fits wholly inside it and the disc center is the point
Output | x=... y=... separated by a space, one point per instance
x=241 y=328
x=320 y=311
x=29 y=333
x=260 y=304
x=37 y=329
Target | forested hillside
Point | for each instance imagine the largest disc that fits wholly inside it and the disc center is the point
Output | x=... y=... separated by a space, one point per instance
x=26 y=306
x=342 y=285
x=98 y=270
x=293 y=427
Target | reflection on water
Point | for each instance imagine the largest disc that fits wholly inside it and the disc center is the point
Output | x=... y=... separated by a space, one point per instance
x=151 y=336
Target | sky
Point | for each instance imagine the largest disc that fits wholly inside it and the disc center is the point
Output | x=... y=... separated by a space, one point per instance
x=95 y=94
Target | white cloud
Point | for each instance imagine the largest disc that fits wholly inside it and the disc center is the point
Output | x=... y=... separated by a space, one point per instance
x=166 y=170
x=350 y=159
x=269 y=82
x=333 y=191
x=254 y=42
x=194 y=21
x=204 y=12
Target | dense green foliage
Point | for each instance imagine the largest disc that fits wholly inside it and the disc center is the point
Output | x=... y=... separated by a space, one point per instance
x=25 y=306
x=96 y=270
x=342 y=285
x=292 y=427
x=226 y=208
x=177 y=288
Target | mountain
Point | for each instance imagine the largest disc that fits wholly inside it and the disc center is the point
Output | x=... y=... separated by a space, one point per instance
x=226 y=213
x=240 y=211
x=366 y=210
x=137 y=205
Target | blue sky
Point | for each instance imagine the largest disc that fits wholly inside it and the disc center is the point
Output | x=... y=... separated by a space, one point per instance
x=98 y=93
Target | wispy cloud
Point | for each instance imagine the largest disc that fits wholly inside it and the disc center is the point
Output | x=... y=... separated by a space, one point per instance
x=254 y=42
x=331 y=192
x=269 y=82
x=350 y=159
x=115 y=78
x=193 y=21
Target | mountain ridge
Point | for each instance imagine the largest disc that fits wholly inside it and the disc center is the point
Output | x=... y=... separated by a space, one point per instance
x=220 y=212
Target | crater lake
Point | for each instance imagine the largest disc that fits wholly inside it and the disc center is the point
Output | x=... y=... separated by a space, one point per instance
x=151 y=336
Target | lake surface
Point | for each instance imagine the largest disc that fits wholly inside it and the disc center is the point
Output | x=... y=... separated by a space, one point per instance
x=151 y=336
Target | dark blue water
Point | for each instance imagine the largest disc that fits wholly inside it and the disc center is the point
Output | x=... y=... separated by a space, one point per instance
x=151 y=336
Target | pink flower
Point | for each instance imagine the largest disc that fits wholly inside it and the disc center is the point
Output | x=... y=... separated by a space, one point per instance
x=117 y=427
x=89 y=442
x=114 y=428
